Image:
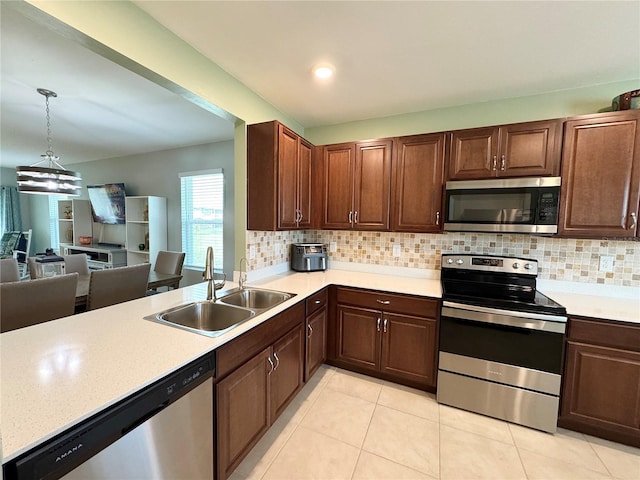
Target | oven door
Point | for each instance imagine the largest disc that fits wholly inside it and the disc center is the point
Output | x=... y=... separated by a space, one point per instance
x=522 y=205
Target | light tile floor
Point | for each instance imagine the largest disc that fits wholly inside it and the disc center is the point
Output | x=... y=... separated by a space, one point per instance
x=348 y=426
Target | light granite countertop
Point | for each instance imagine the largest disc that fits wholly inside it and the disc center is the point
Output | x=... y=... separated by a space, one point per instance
x=59 y=373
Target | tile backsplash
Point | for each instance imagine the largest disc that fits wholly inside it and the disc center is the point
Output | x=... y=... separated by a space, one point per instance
x=573 y=260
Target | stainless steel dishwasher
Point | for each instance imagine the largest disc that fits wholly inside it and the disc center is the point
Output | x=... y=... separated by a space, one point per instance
x=163 y=432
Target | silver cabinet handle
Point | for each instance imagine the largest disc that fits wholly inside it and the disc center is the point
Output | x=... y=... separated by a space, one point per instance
x=317 y=302
x=310 y=330
x=384 y=328
x=383 y=302
x=301 y=216
x=275 y=355
x=378 y=324
x=437 y=218
x=270 y=363
x=355 y=217
x=350 y=217
x=634 y=219
x=503 y=163
x=495 y=163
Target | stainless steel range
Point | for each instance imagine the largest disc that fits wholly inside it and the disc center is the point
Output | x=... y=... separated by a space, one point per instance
x=501 y=341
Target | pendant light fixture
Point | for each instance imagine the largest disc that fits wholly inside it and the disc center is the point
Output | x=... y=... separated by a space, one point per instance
x=47 y=176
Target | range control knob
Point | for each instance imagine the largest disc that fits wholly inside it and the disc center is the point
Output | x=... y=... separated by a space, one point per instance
x=516 y=265
x=449 y=261
x=459 y=261
x=528 y=266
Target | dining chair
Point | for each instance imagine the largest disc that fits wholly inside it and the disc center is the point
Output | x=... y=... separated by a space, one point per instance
x=169 y=262
x=31 y=263
x=76 y=263
x=117 y=285
x=9 y=270
x=37 y=301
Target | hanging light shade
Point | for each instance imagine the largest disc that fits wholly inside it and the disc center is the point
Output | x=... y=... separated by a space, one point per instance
x=48 y=177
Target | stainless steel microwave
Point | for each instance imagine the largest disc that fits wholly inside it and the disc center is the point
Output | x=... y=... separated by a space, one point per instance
x=514 y=205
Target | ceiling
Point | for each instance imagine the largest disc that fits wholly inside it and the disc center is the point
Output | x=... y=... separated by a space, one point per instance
x=391 y=57
x=102 y=110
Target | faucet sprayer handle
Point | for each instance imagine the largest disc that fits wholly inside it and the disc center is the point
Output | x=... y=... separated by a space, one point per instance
x=219 y=284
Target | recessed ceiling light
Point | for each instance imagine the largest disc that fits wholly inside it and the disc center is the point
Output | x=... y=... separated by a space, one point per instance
x=323 y=70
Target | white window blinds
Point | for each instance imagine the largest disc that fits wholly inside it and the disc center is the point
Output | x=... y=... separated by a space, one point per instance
x=202 y=207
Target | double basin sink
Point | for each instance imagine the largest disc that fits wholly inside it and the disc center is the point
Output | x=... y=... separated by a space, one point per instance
x=216 y=318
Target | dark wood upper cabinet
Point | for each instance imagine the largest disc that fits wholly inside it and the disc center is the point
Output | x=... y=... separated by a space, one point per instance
x=601 y=176
x=418 y=179
x=515 y=150
x=279 y=177
x=357 y=185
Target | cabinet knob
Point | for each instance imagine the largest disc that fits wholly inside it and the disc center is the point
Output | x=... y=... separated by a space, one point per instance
x=383 y=302
x=317 y=302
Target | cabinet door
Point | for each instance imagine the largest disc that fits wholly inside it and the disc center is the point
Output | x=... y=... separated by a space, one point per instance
x=286 y=378
x=409 y=348
x=316 y=351
x=530 y=149
x=602 y=387
x=474 y=154
x=358 y=336
x=417 y=184
x=372 y=185
x=288 y=143
x=243 y=413
x=304 y=184
x=601 y=176
x=337 y=201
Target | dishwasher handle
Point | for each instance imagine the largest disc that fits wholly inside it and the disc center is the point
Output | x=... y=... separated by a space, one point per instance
x=144 y=418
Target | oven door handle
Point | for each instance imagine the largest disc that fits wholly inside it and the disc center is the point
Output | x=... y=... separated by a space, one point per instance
x=530 y=321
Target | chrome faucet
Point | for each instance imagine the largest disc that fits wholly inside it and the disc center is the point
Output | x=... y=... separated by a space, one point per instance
x=242 y=280
x=212 y=285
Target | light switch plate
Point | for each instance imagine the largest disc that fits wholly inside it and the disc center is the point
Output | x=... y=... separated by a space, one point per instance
x=277 y=248
x=396 y=249
x=606 y=263
x=333 y=247
x=252 y=252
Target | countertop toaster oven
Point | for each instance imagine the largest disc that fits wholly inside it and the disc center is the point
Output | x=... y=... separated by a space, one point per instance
x=308 y=257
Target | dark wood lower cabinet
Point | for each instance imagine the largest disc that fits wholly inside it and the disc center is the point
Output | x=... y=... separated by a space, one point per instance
x=243 y=413
x=601 y=393
x=287 y=374
x=316 y=352
x=397 y=342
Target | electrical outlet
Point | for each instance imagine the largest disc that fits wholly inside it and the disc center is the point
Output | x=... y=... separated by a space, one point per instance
x=396 y=249
x=606 y=263
x=277 y=249
x=333 y=247
x=252 y=252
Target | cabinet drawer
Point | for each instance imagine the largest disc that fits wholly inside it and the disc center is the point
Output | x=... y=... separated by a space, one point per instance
x=316 y=301
x=388 y=302
x=606 y=333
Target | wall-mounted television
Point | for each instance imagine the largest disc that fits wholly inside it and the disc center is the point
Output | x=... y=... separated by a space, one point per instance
x=107 y=203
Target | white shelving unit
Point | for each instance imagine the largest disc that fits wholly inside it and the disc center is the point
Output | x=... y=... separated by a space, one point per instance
x=74 y=221
x=146 y=226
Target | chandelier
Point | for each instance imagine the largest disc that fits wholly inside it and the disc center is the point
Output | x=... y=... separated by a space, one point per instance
x=47 y=176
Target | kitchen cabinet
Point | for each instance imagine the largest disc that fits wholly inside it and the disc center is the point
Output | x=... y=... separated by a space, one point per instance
x=601 y=385
x=600 y=193
x=387 y=335
x=146 y=225
x=316 y=332
x=258 y=374
x=515 y=150
x=279 y=178
x=417 y=183
x=357 y=185
x=74 y=221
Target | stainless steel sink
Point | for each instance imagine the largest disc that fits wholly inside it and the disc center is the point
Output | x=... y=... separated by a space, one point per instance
x=205 y=317
x=255 y=298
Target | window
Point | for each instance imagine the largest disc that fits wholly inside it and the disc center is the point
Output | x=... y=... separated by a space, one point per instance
x=202 y=207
